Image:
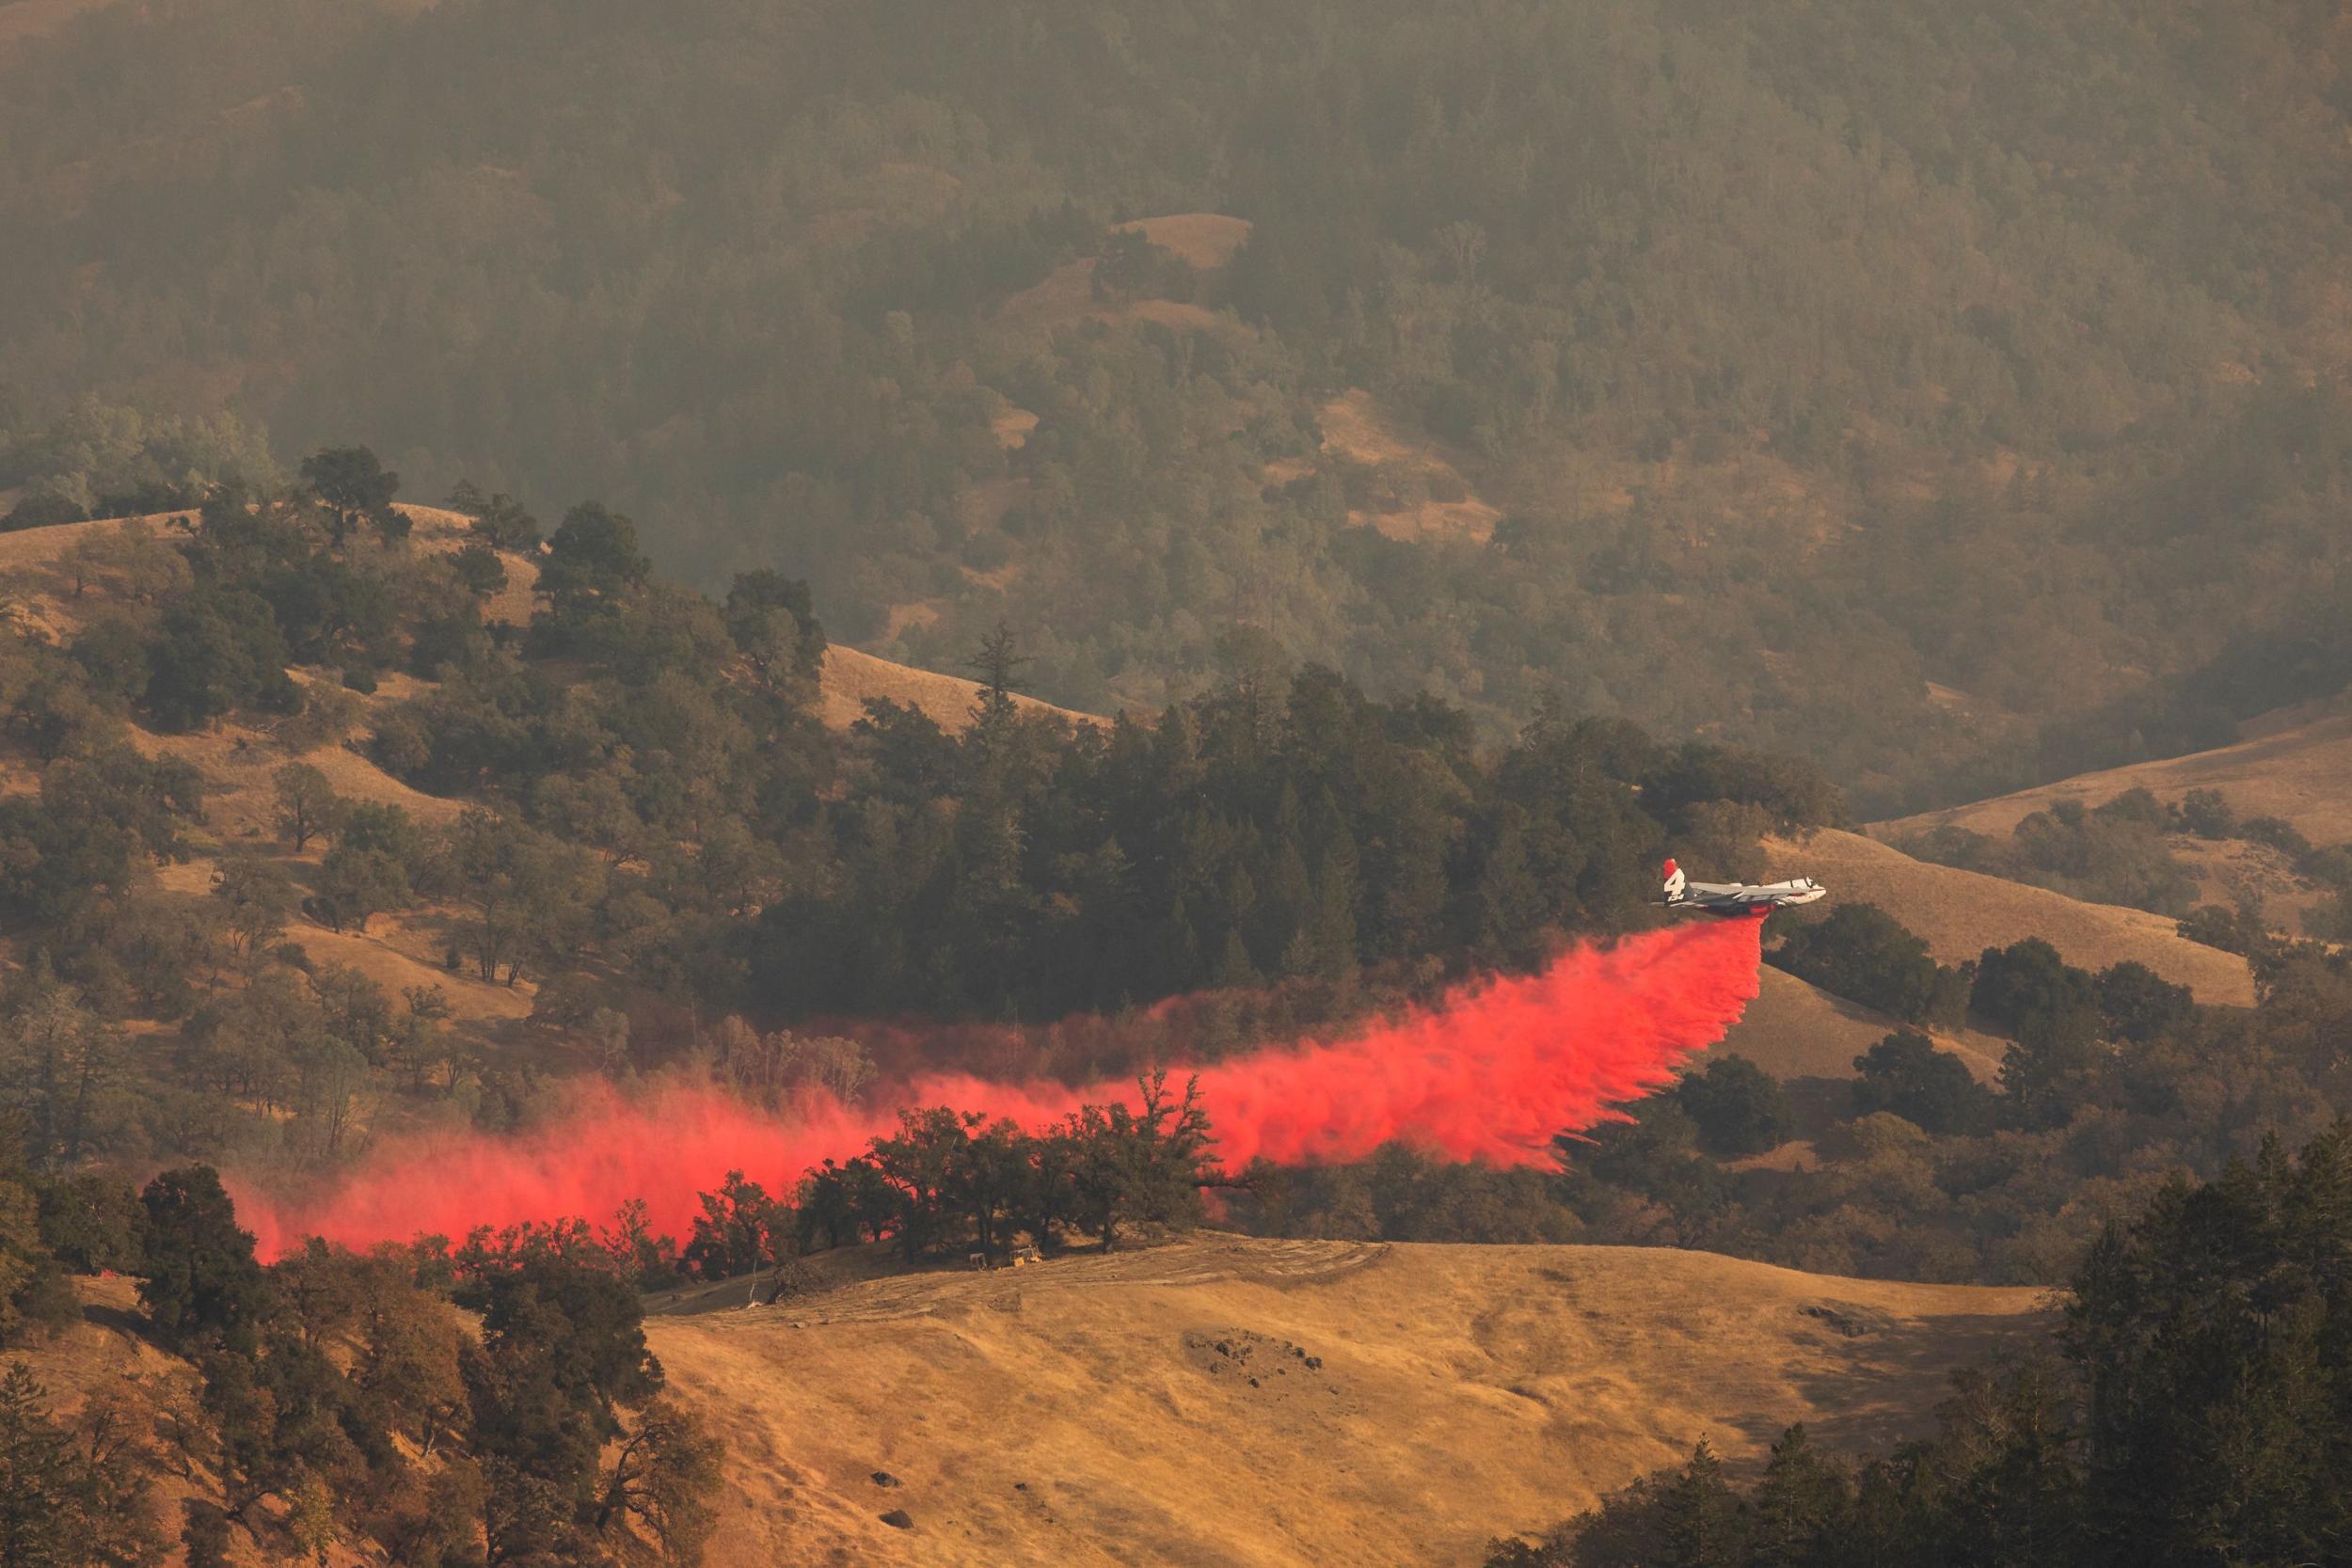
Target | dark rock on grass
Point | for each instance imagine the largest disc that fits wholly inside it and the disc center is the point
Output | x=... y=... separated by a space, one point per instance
x=896 y=1519
x=1847 y=1319
x=883 y=1478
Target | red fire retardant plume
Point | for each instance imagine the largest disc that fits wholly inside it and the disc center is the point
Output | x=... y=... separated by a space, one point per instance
x=1491 y=1072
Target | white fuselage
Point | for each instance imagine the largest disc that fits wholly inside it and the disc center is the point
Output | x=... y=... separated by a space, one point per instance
x=1734 y=898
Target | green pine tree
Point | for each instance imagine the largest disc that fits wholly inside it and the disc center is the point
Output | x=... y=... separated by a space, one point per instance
x=1233 y=970
x=1799 y=1502
x=1699 y=1516
x=199 y=1281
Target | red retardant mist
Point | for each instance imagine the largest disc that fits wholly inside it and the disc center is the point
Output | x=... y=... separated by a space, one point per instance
x=1493 y=1072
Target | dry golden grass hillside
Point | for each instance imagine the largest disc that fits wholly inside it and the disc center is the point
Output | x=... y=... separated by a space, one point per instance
x=1418 y=491
x=2234 y=871
x=2301 y=771
x=159 y=1397
x=40 y=546
x=30 y=559
x=1961 y=914
x=1158 y=1407
x=103 y=1358
x=238 y=763
x=438 y=529
x=1796 y=1030
x=1204 y=240
x=397 y=950
x=38 y=575
x=850 y=677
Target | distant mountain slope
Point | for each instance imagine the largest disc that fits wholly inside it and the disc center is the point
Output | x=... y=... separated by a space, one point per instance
x=1770 y=373
x=1961 y=914
x=31 y=19
x=2302 y=772
x=1101 y=1410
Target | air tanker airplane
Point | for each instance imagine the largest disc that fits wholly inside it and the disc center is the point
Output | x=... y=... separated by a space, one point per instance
x=1737 y=898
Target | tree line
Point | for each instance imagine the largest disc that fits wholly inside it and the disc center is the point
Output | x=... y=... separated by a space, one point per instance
x=951 y=1186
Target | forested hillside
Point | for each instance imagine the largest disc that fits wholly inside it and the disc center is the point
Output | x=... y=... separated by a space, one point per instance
x=326 y=825
x=1952 y=394
x=310 y=829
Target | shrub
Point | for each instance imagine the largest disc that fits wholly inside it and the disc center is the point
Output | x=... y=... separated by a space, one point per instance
x=1905 y=1074
x=2026 y=983
x=43 y=509
x=1862 y=953
x=401 y=746
x=2240 y=932
x=92 y=1222
x=2138 y=1004
x=1737 y=1106
x=204 y=1531
x=2205 y=812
